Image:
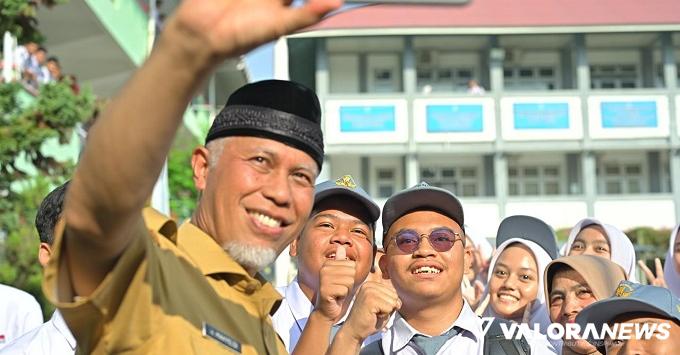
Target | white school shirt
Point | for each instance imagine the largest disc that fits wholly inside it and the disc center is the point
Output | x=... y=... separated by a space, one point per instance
x=52 y=337
x=470 y=340
x=291 y=317
x=19 y=313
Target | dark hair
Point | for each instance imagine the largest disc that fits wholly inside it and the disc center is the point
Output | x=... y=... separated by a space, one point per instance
x=41 y=48
x=53 y=59
x=49 y=212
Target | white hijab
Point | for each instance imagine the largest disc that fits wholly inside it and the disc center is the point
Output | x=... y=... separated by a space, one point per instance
x=539 y=312
x=621 y=248
x=670 y=275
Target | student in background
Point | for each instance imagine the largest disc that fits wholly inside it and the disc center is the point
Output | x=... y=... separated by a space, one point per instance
x=53 y=336
x=571 y=284
x=592 y=237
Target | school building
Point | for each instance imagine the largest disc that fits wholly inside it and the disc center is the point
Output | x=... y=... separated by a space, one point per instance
x=579 y=116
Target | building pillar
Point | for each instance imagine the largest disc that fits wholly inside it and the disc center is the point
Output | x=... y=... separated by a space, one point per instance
x=326 y=173
x=412 y=168
x=322 y=76
x=496 y=57
x=581 y=61
x=648 y=72
x=574 y=175
x=670 y=69
x=365 y=168
x=654 y=169
x=567 y=68
x=589 y=168
x=489 y=176
x=670 y=78
x=410 y=83
x=500 y=167
x=281 y=59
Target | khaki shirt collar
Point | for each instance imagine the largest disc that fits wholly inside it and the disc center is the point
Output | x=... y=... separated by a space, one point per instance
x=213 y=261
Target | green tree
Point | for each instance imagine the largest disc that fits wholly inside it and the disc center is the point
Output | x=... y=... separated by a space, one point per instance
x=180 y=177
x=28 y=170
x=19 y=18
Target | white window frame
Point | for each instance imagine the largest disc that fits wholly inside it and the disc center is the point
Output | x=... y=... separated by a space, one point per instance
x=616 y=78
x=603 y=178
x=455 y=83
x=458 y=180
x=517 y=83
x=541 y=179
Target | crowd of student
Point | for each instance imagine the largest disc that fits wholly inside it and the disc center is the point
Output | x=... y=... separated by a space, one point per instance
x=340 y=269
x=126 y=279
x=33 y=67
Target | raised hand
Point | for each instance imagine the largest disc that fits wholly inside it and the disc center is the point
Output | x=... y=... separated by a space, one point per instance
x=373 y=305
x=336 y=281
x=657 y=280
x=472 y=293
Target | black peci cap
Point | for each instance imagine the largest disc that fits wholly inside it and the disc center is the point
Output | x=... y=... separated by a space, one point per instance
x=281 y=110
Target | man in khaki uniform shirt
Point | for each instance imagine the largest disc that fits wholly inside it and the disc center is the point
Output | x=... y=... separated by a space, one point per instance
x=128 y=280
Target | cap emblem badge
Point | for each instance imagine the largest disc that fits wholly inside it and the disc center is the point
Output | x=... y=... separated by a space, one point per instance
x=624 y=290
x=346 y=181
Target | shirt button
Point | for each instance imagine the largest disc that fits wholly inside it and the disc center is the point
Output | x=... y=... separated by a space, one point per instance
x=251 y=288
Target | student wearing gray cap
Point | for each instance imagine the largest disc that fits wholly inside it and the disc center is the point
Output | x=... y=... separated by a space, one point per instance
x=635 y=307
x=334 y=256
x=425 y=257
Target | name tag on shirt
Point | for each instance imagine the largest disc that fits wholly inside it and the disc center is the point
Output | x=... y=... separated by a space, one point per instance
x=211 y=332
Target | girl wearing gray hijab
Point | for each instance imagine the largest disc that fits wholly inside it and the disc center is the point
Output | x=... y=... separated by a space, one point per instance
x=571 y=284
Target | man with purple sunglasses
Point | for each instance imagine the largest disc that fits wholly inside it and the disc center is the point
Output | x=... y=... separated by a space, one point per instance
x=424 y=258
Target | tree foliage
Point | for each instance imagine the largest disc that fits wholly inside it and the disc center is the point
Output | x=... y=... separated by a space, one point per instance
x=28 y=171
x=19 y=18
x=180 y=177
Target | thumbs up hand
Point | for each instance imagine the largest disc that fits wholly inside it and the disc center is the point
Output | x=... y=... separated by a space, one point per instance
x=336 y=281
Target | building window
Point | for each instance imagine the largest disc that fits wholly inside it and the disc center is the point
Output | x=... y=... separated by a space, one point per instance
x=614 y=76
x=462 y=181
x=436 y=74
x=386 y=182
x=529 y=78
x=534 y=180
x=384 y=72
x=621 y=178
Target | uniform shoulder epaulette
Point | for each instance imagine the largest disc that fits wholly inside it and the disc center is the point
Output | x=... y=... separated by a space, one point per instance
x=160 y=223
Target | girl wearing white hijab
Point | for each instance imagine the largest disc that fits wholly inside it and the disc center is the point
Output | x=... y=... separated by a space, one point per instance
x=525 y=293
x=592 y=237
x=672 y=264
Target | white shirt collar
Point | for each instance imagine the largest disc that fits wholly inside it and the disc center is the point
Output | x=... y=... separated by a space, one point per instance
x=299 y=305
x=58 y=321
x=401 y=332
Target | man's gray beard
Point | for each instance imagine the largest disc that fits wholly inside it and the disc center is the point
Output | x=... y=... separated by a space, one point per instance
x=252 y=257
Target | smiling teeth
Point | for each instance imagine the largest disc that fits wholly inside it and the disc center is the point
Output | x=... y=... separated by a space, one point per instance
x=266 y=220
x=508 y=298
x=426 y=270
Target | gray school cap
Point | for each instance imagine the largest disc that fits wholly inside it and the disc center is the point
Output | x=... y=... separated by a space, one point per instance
x=345 y=185
x=422 y=197
x=631 y=297
x=529 y=228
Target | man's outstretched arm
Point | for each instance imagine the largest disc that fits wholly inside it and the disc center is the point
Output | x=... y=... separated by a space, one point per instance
x=128 y=145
